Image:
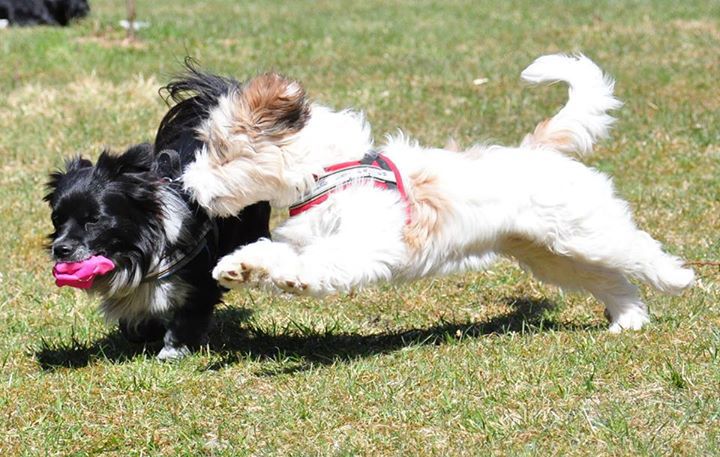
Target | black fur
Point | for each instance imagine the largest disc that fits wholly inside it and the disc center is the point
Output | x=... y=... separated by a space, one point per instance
x=193 y=95
x=116 y=208
x=45 y=12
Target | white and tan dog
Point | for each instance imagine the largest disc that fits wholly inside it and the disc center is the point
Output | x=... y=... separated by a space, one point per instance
x=440 y=211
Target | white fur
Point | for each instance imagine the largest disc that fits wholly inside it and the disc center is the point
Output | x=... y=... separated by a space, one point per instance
x=133 y=299
x=266 y=171
x=560 y=219
x=590 y=95
x=175 y=212
x=170 y=353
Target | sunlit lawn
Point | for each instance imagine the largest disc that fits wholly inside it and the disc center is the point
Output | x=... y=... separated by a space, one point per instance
x=486 y=363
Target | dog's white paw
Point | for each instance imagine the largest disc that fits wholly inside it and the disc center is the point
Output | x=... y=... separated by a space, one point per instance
x=233 y=273
x=265 y=264
x=170 y=353
x=290 y=285
x=629 y=320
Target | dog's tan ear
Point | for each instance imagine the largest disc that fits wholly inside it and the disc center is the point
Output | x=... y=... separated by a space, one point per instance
x=274 y=105
x=267 y=107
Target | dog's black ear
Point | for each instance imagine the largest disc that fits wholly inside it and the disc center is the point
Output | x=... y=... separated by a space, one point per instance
x=71 y=165
x=137 y=159
x=77 y=163
x=168 y=164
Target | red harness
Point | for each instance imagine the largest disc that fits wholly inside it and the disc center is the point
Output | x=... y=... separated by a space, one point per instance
x=374 y=167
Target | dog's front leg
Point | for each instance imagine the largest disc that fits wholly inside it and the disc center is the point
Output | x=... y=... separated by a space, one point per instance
x=187 y=329
x=264 y=264
x=328 y=266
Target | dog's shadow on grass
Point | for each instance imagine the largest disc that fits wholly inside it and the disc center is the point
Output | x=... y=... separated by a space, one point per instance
x=236 y=337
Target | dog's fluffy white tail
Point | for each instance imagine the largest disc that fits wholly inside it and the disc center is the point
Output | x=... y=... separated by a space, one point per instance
x=584 y=119
x=648 y=263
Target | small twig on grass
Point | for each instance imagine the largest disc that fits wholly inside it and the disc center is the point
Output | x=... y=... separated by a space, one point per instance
x=704 y=263
x=701 y=263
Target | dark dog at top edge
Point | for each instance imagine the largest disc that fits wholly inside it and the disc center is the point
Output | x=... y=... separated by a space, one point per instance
x=43 y=12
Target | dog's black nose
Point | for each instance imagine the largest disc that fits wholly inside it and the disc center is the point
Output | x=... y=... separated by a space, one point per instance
x=62 y=250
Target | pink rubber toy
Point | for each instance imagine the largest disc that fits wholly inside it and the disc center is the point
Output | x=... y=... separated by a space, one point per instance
x=81 y=274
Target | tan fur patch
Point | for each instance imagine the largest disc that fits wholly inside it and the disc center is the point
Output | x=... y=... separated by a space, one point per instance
x=270 y=105
x=430 y=210
x=557 y=139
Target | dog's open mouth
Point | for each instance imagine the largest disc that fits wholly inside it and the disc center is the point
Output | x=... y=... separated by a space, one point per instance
x=81 y=274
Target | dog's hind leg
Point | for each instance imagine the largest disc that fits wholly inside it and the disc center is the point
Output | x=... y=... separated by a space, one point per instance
x=623 y=306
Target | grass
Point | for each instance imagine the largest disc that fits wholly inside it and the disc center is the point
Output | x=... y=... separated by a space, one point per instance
x=486 y=363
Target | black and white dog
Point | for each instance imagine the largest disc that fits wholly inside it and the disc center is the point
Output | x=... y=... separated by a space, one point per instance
x=131 y=209
x=42 y=12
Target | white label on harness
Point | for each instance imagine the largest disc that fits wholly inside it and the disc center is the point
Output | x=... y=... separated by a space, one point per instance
x=345 y=177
